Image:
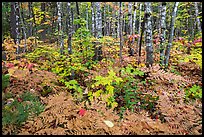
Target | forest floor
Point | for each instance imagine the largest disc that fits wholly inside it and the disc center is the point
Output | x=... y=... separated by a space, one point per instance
x=174 y=113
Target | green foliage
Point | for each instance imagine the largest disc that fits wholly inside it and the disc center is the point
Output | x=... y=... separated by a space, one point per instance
x=5 y=81
x=106 y=88
x=129 y=70
x=195 y=92
x=18 y=112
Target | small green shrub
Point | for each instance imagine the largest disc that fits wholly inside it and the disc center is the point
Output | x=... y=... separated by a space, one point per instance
x=195 y=92
x=18 y=111
x=5 y=81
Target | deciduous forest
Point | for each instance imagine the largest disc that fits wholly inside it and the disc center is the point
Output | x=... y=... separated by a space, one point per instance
x=102 y=68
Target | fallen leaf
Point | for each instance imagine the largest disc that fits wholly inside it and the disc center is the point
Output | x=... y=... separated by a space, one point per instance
x=108 y=123
x=82 y=112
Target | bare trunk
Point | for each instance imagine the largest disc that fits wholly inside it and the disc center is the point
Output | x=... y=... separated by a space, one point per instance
x=61 y=40
x=198 y=20
x=148 y=38
x=163 y=34
x=167 y=52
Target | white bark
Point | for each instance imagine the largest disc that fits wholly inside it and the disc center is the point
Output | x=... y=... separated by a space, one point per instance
x=167 y=53
x=130 y=17
x=148 y=38
x=163 y=30
x=198 y=20
x=59 y=13
x=16 y=9
x=98 y=20
x=139 y=28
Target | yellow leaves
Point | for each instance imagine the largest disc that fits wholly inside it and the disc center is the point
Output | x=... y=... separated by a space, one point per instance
x=41 y=30
x=12 y=70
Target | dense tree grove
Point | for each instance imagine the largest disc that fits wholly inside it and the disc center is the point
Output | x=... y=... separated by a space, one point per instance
x=102 y=68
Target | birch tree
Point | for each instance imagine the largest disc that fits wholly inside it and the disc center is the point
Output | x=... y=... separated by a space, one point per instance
x=120 y=26
x=168 y=48
x=16 y=9
x=197 y=19
x=59 y=13
x=93 y=19
x=87 y=17
x=140 y=9
x=118 y=22
x=98 y=48
x=23 y=26
x=148 y=38
x=163 y=30
x=134 y=20
x=130 y=17
x=69 y=18
x=30 y=30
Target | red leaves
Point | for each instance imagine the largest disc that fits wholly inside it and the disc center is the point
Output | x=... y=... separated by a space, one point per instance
x=197 y=40
x=19 y=99
x=30 y=66
x=82 y=112
x=9 y=65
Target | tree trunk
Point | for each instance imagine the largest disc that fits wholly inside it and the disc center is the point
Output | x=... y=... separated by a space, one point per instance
x=198 y=20
x=139 y=28
x=167 y=52
x=30 y=30
x=98 y=48
x=23 y=26
x=130 y=18
x=43 y=33
x=93 y=19
x=118 y=22
x=120 y=26
x=16 y=9
x=134 y=20
x=78 y=15
x=163 y=30
x=148 y=38
x=69 y=18
x=87 y=17
x=13 y=21
x=35 y=29
x=61 y=40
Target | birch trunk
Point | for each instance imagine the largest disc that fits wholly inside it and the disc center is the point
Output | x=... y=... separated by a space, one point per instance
x=120 y=26
x=163 y=30
x=98 y=21
x=16 y=9
x=118 y=23
x=30 y=30
x=139 y=28
x=148 y=38
x=130 y=18
x=69 y=18
x=59 y=13
x=167 y=52
x=134 y=20
x=93 y=19
x=87 y=17
x=198 y=20
x=23 y=29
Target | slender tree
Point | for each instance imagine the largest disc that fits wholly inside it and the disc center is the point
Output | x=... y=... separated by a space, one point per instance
x=134 y=20
x=120 y=24
x=61 y=40
x=69 y=18
x=148 y=38
x=30 y=30
x=87 y=17
x=140 y=9
x=93 y=19
x=163 y=30
x=130 y=18
x=197 y=19
x=168 y=48
x=16 y=9
x=23 y=26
